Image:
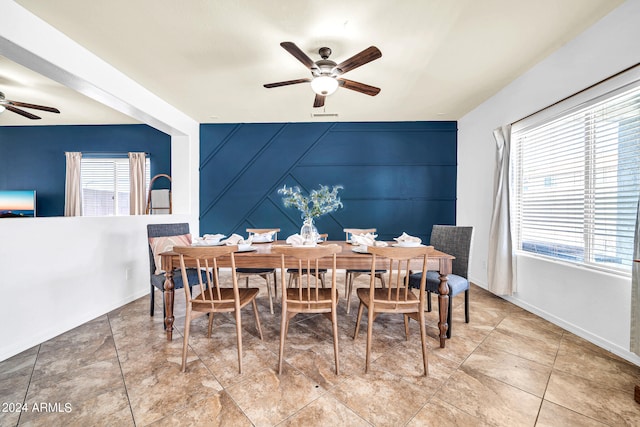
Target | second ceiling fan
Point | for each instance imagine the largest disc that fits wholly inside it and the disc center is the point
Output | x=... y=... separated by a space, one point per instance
x=325 y=72
x=12 y=106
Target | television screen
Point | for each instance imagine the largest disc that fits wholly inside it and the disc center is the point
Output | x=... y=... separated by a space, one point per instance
x=17 y=203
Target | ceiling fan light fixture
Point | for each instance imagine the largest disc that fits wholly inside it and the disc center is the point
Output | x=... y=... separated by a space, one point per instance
x=324 y=85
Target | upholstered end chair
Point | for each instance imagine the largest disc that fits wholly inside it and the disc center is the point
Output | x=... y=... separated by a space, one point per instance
x=456 y=241
x=178 y=230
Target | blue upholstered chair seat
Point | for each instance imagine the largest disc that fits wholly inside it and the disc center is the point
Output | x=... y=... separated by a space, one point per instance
x=456 y=283
x=157 y=280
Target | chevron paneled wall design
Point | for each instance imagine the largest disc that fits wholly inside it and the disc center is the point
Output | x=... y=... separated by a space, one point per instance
x=397 y=176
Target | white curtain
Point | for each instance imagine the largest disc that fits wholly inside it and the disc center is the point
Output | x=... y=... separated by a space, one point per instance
x=635 y=290
x=137 y=183
x=500 y=263
x=72 y=186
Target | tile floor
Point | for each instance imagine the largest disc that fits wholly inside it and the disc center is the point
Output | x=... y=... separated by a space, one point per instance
x=505 y=368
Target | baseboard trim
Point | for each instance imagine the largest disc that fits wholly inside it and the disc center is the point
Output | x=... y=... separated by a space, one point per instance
x=14 y=348
x=574 y=329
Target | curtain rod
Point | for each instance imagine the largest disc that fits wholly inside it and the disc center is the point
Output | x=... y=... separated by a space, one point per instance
x=579 y=92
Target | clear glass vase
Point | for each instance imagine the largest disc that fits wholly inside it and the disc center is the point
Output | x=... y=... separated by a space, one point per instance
x=309 y=232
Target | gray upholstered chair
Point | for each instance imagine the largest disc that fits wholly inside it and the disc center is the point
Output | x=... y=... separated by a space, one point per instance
x=456 y=241
x=157 y=280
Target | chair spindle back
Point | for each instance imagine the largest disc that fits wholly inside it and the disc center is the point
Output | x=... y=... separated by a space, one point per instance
x=206 y=258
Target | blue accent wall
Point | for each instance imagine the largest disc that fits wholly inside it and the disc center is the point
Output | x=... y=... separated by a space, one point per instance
x=397 y=176
x=32 y=157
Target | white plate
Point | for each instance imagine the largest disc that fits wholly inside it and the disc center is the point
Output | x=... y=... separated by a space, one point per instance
x=360 y=250
x=207 y=243
x=407 y=245
x=249 y=249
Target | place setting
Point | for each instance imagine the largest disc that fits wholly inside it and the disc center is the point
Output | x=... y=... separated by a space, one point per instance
x=407 y=241
x=209 y=240
x=361 y=242
x=266 y=237
x=244 y=245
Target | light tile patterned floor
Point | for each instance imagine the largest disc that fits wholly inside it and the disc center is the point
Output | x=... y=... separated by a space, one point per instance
x=505 y=368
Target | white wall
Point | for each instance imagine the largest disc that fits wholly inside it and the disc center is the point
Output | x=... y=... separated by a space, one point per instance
x=593 y=305
x=57 y=273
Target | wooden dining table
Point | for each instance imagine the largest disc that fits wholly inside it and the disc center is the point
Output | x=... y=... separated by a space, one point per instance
x=263 y=257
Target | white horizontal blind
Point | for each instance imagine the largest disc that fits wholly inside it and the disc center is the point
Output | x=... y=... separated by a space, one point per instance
x=576 y=180
x=105 y=186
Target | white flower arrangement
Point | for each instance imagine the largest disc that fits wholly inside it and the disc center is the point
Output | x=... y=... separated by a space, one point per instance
x=319 y=202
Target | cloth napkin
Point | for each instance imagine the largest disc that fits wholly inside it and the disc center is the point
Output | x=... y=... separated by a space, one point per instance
x=368 y=239
x=264 y=237
x=207 y=240
x=295 y=240
x=404 y=237
x=213 y=237
x=236 y=239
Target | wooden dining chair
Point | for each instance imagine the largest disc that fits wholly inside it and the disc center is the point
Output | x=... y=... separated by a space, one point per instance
x=308 y=296
x=398 y=297
x=265 y=273
x=294 y=274
x=213 y=298
x=352 y=274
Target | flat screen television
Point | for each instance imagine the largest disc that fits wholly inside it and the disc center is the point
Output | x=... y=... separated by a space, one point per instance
x=17 y=203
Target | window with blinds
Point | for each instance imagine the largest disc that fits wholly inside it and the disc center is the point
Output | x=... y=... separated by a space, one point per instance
x=105 y=186
x=576 y=179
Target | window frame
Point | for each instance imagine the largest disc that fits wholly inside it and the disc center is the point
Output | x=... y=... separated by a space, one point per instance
x=117 y=160
x=609 y=88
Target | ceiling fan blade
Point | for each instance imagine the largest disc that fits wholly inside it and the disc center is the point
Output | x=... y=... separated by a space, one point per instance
x=369 y=54
x=34 y=106
x=285 y=83
x=319 y=101
x=298 y=54
x=359 y=87
x=22 y=113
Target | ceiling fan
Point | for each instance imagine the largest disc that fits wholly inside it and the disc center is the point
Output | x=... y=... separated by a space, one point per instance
x=325 y=72
x=12 y=106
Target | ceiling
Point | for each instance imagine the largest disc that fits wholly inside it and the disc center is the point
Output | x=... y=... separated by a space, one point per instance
x=440 y=59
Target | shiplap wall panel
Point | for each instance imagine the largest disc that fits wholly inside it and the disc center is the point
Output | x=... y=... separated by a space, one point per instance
x=397 y=176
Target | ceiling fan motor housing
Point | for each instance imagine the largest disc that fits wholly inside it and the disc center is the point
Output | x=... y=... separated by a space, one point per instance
x=324 y=66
